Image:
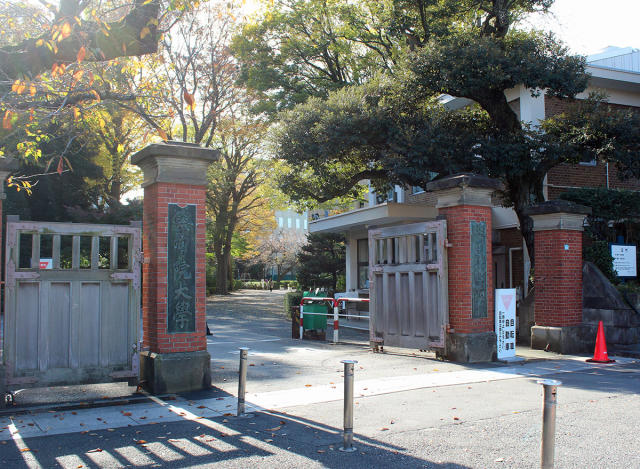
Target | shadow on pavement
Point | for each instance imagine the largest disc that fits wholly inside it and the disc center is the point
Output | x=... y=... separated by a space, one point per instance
x=268 y=439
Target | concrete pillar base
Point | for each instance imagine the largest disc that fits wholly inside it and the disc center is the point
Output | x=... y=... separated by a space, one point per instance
x=175 y=372
x=471 y=348
x=566 y=340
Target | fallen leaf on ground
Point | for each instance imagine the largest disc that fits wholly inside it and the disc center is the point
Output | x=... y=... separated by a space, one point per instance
x=499 y=460
x=268 y=440
x=126 y=414
x=274 y=429
x=384 y=429
x=24 y=450
x=201 y=407
x=141 y=442
x=320 y=451
x=96 y=450
x=456 y=418
x=307 y=385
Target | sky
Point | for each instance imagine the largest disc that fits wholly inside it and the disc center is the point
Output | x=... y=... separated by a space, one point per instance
x=588 y=26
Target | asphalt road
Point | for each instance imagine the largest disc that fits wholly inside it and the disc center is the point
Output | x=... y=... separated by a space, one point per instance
x=452 y=416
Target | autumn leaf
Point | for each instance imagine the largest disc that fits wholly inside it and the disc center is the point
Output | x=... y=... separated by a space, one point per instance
x=76 y=113
x=189 y=99
x=60 y=166
x=96 y=450
x=65 y=31
x=81 y=54
x=39 y=42
x=144 y=32
x=32 y=90
x=6 y=120
x=163 y=135
x=141 y=442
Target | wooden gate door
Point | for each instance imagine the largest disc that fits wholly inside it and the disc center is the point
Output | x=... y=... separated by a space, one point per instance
x=408 y=285
x=72 y=303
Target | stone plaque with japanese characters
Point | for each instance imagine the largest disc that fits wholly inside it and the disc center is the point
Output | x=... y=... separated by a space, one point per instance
x=478 y=269
x=181 y=269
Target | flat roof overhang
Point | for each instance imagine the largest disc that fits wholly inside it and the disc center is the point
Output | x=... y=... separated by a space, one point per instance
x=383 y=214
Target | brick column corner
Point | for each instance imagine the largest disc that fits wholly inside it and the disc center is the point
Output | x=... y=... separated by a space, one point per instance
x=465 y=201
x=175 y=357
x=558 y=227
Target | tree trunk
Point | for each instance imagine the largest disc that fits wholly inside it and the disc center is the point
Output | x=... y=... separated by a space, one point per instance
x=222 y=268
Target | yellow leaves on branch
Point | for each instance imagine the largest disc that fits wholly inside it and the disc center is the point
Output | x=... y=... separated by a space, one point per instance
x=144 y=32
x=163 y=134
x=20 y=87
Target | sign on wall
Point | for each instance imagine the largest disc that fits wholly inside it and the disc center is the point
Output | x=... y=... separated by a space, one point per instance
x=506 y=322
x=181 y=269
x=624 y=260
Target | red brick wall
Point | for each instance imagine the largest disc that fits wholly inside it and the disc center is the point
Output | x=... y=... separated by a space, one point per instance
x=459 y=220
x=558 y=300
x=157 y=198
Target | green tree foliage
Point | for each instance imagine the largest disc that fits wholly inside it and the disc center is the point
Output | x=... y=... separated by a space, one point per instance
x=321 y=261
x=394 y=129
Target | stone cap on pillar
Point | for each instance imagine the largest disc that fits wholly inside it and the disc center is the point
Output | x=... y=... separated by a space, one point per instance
x=175 y=162
x=464 y=189
x=558 y=215
x=7 y=166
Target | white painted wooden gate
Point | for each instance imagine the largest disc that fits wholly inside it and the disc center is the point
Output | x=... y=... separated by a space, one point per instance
x=408 y=285
x=72 y=303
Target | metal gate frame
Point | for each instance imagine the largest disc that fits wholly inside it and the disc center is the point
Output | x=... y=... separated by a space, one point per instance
x=42 y=279
x=433 y=259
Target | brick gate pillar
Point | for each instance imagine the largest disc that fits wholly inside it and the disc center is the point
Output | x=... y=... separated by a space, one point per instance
x=558 y=227
x=465 y=201
x=175 y=354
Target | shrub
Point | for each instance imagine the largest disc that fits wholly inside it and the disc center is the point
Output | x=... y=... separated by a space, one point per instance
x=599 y=253
x=291 y=299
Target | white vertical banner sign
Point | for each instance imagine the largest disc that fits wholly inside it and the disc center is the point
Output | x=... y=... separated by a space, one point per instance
x=506 y=322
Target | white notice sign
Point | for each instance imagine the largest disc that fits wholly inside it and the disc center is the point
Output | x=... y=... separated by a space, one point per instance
x=506 y=322
x=624 y=259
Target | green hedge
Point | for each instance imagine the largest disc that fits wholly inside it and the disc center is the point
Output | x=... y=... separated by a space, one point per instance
x=292 y=298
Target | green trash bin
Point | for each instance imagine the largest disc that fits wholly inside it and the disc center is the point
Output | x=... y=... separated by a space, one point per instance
x=315 y=321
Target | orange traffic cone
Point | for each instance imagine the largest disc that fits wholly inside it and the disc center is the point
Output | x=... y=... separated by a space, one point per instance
x=600 y=354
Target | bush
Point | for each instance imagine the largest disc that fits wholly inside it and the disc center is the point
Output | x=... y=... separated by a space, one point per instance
x=289 y=284
x=291 y=299
x=253 y=285
x=599 y=253
x=238 y=284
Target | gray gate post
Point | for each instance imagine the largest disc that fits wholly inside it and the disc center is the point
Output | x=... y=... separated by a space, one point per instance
x=242 y=379
x=347 y=436
x=547 y=447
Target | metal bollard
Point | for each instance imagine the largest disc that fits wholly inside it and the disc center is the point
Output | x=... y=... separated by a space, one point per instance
x=301 y=323
x=547 y=447
x=335 y=323
x=347 y=436
x=242 y=379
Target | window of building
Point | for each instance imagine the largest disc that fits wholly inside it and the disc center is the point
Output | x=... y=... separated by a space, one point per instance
x=363 y=263
x=280 y=222
x=305 y=224
x=297 y=223
x=416 y=189
x=288 y=222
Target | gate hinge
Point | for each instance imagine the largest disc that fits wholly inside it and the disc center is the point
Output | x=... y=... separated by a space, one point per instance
x=447 y=244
